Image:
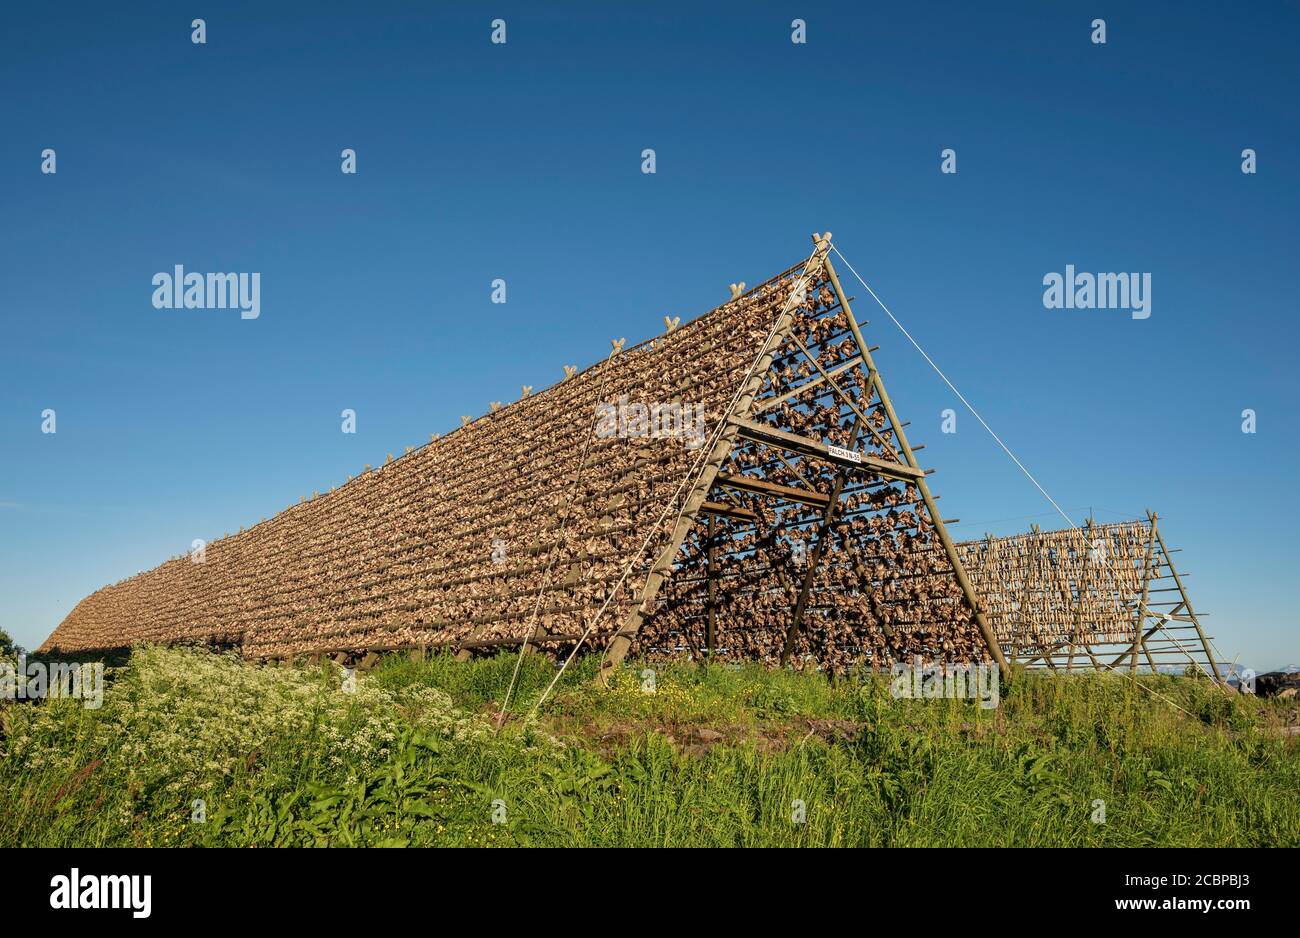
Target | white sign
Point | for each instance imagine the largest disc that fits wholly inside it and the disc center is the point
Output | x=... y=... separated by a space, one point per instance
x=850 y=454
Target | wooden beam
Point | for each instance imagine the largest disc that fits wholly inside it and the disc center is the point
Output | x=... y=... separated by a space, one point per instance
x=771 y=436
x=847 y=399
x=1191 y=614
x=772 y=402
x=711 y=629
x=1140 y=615
x=763 y=487
x=728 y=511
x=819 y=549
x=1133 y=648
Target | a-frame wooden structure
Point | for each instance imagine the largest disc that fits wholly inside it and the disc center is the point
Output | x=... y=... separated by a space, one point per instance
x=1091 y=597
x=811 y=532
x=802 y=531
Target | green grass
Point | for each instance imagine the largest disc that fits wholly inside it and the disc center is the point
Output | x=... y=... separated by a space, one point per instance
x=714 y=756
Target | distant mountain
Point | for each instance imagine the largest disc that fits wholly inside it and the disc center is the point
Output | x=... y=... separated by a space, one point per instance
x=1231 y=671
x=1227 y=671
x=1287 y=669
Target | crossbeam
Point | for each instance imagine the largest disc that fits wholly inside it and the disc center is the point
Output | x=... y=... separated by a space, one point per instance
x=728 y=511
x=771 y=436
x=763 y=487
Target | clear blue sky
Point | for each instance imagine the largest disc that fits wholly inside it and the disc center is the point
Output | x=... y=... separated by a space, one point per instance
x=522 y=161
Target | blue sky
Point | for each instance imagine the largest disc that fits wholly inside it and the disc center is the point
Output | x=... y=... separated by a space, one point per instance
x=522 y=161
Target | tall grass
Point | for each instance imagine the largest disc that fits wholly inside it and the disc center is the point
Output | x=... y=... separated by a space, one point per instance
x=684 y=756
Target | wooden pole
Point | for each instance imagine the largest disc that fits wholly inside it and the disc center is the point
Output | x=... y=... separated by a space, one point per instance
x=1140 y=612
x=824 y=535
x=1187 y=605
x=990 y=639
x=1079 y=588
x=710 y=632
x=1036 y=556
